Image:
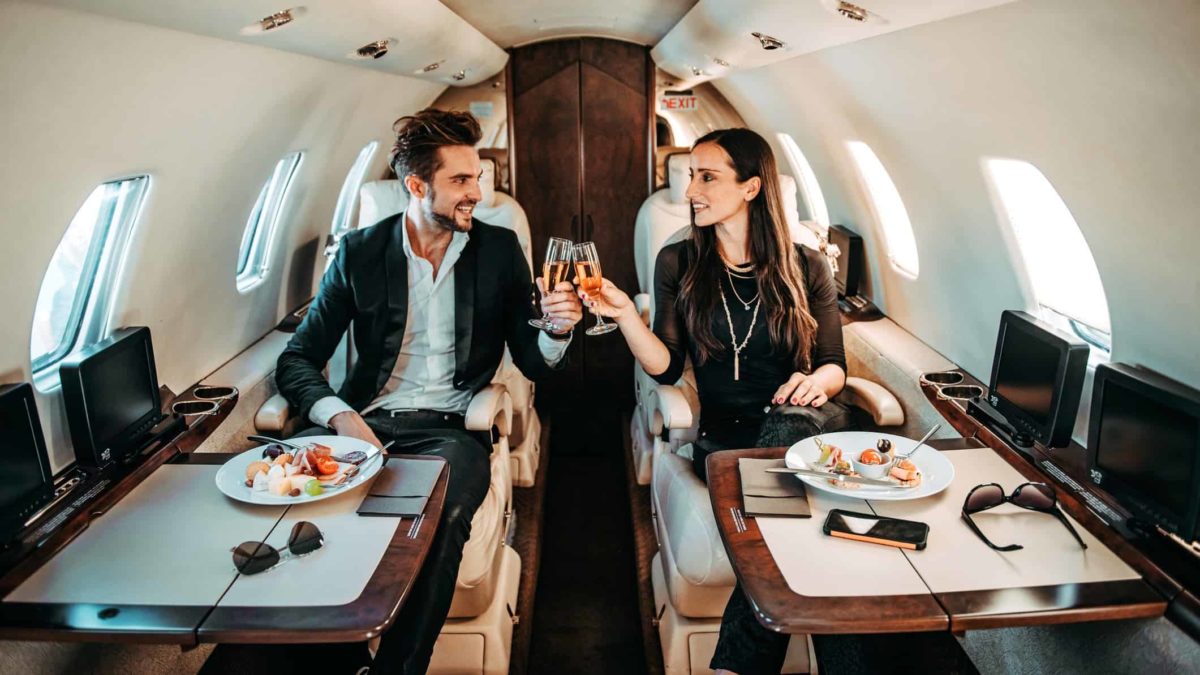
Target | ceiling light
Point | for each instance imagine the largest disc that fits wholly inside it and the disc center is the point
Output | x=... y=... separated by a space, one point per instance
x=277 y=20
x=372 y=50
x=852 y=11
x=767 y=42
x=697 y=72
x=459 y=76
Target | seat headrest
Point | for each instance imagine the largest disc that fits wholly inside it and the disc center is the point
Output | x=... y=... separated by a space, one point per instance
x=677 y=176
x=380 y=199
x=487 y=181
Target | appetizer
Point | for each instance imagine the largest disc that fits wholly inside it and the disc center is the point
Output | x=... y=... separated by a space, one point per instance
x=306 y=471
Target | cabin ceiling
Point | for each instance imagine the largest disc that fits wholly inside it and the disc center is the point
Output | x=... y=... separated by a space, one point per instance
x=523 y=21
x=423 y=32
x=462 y=42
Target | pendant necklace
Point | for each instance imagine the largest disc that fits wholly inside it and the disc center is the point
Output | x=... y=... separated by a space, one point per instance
x=737 y=349
x=745 y=303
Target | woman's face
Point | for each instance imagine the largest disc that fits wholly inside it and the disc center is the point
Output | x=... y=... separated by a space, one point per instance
x=715 y=194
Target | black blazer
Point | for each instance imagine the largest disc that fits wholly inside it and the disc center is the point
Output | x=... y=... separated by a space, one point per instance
x=367 y=284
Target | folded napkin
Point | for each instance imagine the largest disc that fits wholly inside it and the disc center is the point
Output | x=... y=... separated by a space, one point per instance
x=771 y=494
x=402 y=488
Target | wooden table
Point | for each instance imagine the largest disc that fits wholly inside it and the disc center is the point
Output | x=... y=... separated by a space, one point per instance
x=209 y=620
x=780 y=609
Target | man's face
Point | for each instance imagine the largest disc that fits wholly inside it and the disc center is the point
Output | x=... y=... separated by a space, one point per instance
x=451 y=196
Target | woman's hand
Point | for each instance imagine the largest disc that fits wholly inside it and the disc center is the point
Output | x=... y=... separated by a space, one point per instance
x=611 y=302
x=800 y=389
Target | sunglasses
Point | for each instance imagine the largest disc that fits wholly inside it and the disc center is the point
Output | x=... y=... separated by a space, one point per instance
x=1033 y=496
x=252 y=557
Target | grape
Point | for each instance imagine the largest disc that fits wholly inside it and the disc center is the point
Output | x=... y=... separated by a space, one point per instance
x=313 y=488
x=273 y=450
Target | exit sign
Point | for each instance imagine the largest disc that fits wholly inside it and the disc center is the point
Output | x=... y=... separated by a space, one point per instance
x=678 y=104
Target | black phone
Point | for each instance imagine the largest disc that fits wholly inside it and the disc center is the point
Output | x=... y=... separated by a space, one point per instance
x=876 y=529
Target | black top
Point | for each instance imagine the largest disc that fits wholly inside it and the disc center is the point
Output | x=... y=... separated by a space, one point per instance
x=761 y=370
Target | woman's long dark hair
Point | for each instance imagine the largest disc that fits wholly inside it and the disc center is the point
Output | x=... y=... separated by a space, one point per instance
x=781 y=282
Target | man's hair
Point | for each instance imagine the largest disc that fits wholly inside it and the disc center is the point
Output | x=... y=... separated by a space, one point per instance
x=419 y=136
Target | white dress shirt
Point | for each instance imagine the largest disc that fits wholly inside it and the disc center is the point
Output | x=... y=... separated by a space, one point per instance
x=424 y=372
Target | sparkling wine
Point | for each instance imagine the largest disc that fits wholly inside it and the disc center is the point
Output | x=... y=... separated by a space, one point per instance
x=554 y=271
x=588 y=276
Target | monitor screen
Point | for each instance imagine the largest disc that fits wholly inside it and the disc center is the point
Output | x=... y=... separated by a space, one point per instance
x=27 y=480
x=1027 y=373
x=1149 y=446
x=119 y=390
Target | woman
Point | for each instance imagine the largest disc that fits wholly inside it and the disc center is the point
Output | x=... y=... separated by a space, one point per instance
x=757 y=315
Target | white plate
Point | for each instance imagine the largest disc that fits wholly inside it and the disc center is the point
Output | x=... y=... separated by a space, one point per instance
x=231 y=478
x=936 y=470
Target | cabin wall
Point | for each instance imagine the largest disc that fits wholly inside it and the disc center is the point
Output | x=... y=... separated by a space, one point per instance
x=85 y=99
x=1101 y=95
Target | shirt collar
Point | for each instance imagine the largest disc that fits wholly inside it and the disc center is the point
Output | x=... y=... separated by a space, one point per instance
x=458 y=241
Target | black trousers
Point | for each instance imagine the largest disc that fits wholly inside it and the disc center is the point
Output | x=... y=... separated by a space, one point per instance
x=408 y=645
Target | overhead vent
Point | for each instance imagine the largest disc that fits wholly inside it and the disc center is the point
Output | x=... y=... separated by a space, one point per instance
x=853 y=12
x=430 y=68
x=273 y=22
x=720 y=62
x=767 y=42
x=372 y=50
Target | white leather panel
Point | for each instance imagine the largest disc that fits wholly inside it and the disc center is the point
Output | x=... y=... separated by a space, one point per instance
x=686 y=524
x=957 y=560
x=380 y=199
x=166 y=543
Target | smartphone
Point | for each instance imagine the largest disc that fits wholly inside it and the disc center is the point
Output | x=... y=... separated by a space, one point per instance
x=876 y=529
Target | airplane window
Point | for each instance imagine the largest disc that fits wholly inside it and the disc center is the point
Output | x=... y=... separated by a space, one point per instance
x=346 y=198
x=72 y=303
x=889 y=209
x=810 y=190
x=254 y=256
x=1058 y=262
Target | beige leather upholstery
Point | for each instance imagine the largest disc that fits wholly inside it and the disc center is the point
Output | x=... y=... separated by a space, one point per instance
x=884 y=407
x=695 y=567
x=380 y=199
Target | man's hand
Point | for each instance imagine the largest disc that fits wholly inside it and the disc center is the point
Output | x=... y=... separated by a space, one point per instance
x=351 y=424
x=562 y=306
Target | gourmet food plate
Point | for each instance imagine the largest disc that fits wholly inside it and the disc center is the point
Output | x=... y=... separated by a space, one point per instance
x=839 y=454
x=274 y=474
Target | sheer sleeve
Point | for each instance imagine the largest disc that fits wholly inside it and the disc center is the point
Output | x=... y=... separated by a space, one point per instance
x=669 y=325
x=822 y=303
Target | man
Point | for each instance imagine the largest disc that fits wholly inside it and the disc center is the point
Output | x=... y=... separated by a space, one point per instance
x=434 y=296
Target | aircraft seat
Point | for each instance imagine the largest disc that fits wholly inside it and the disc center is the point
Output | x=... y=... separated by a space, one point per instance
x=501 y=210
x=380 y=199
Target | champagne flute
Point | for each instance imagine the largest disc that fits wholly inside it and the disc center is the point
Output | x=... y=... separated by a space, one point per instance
x=554 y=270
x=587 y=273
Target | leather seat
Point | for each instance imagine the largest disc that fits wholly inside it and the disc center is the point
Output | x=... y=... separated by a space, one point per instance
x=380 y=199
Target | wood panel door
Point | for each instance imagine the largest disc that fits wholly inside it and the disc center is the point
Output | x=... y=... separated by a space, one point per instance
x=581 y=147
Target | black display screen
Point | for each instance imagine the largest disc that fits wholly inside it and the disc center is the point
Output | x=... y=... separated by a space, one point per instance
x=119 y=390
x=26 y=474
x=1027 y=374
x=1148 y=446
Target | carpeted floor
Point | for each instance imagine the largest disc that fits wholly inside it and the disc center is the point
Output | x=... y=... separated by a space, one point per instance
x=587 y=618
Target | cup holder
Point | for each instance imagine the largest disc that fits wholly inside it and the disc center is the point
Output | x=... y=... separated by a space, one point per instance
x=211 y=393
x=960 y=392
x=942 y=378
x=187 y=408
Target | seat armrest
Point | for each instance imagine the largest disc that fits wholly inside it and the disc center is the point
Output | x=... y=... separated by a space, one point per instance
x=491 y=406
x=671 y=409
x=273 y=414
x=642 y=302
x=876 y=400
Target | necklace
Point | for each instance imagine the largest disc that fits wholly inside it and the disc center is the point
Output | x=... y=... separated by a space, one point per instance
x=737 y=349
x=744 y=268
x=745 y=303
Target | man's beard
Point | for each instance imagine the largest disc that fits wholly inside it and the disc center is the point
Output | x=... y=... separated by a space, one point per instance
x=448 y=222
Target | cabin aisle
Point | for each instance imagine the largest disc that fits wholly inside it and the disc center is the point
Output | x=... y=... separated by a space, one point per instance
x=587 y=617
